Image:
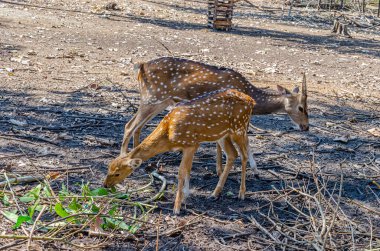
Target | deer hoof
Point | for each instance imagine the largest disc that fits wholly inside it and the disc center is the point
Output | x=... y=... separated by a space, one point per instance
x=176 y=211
x=241 y=196
x=214 y=197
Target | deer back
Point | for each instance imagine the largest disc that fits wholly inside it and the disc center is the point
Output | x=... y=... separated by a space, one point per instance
x=183 y=79
x=209 y=117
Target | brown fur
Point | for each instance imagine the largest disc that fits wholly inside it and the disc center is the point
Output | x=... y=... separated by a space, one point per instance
x=166 y=81
x=221 y=116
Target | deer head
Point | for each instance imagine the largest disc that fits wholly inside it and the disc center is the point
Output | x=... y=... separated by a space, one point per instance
x=119 y=169
x=296 y=105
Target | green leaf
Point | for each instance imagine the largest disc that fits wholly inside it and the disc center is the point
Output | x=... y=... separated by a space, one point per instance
x=63 y=192
x=133 y=229
x=26 y=199
x=5 y=200
x=47 y=192
x=32 y=194
x=39 y=208
x=95 y=208
x=74 y=205
x=113 y=210
x=60 y=210
x=21 y=219
x=10 y=216
x=122 y=225
x=99 y=192
x=85 y=189
x=33 y=208
x=229 y=194
x=110 y=223
x=122 y=196
x=63 y=213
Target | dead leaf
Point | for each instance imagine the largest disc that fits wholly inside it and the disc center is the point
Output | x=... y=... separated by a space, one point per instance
x=343 y=139
x=95 y=227
x=374 y=131
x=94 y=86
x=92 y=141
x=17 y=122
x=64 y=136
x=53 y=175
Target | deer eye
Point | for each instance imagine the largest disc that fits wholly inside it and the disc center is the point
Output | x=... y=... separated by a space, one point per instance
x=117 y=174
x=300 y=109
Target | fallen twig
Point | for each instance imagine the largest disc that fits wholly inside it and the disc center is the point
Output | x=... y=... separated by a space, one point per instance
x=34 y=225
x=160 y=192
x=25 y=179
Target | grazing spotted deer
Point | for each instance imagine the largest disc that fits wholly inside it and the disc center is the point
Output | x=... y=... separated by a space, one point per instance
x=221 y=116
x=166 y=81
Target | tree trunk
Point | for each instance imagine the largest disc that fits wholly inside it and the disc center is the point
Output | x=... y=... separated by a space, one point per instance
x=378 y=10
x=340 y=28
x=319 y=4
x=363 y=6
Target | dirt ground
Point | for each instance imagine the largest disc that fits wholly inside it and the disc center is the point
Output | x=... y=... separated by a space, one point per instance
x=67 y=88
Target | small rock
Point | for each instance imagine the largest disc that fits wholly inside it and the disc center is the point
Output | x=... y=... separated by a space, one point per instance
x=374 y=131
x=32 y=53
x=329 y=124
x=18 y=122
x=112 y=6
x=344 y=138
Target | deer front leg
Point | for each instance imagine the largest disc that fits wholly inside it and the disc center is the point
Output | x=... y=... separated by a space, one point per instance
x=136 y=136
x=242 y=144
x=145 y=113
x=183 y=189
x=231 y=154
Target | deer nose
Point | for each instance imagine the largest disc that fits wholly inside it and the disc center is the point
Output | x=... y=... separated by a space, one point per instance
x=105 y=184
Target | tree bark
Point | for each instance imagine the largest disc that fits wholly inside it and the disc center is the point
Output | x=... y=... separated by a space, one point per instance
x=340 y=28
x=363 y=6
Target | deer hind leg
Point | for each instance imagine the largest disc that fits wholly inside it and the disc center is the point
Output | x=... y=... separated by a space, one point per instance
x=145 y=113
x=183 y=189
x=231 y=154
x=219 y=160
x=242 y=144
x=252 y=162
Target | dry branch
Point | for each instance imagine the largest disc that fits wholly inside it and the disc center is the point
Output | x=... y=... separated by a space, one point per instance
x=25 y=179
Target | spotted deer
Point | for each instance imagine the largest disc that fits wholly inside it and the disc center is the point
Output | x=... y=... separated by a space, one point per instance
x=222 y=116
x=166 y=81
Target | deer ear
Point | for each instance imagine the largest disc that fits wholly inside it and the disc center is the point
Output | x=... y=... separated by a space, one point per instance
x=296 y=89
x=283 y=91
x=134 y=163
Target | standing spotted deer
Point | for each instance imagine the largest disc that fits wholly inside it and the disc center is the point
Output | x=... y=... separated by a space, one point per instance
x=166 y=81
x=222 y=116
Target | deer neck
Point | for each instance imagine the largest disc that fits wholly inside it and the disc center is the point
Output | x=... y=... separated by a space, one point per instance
x=267 y=101
x=157 y=142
